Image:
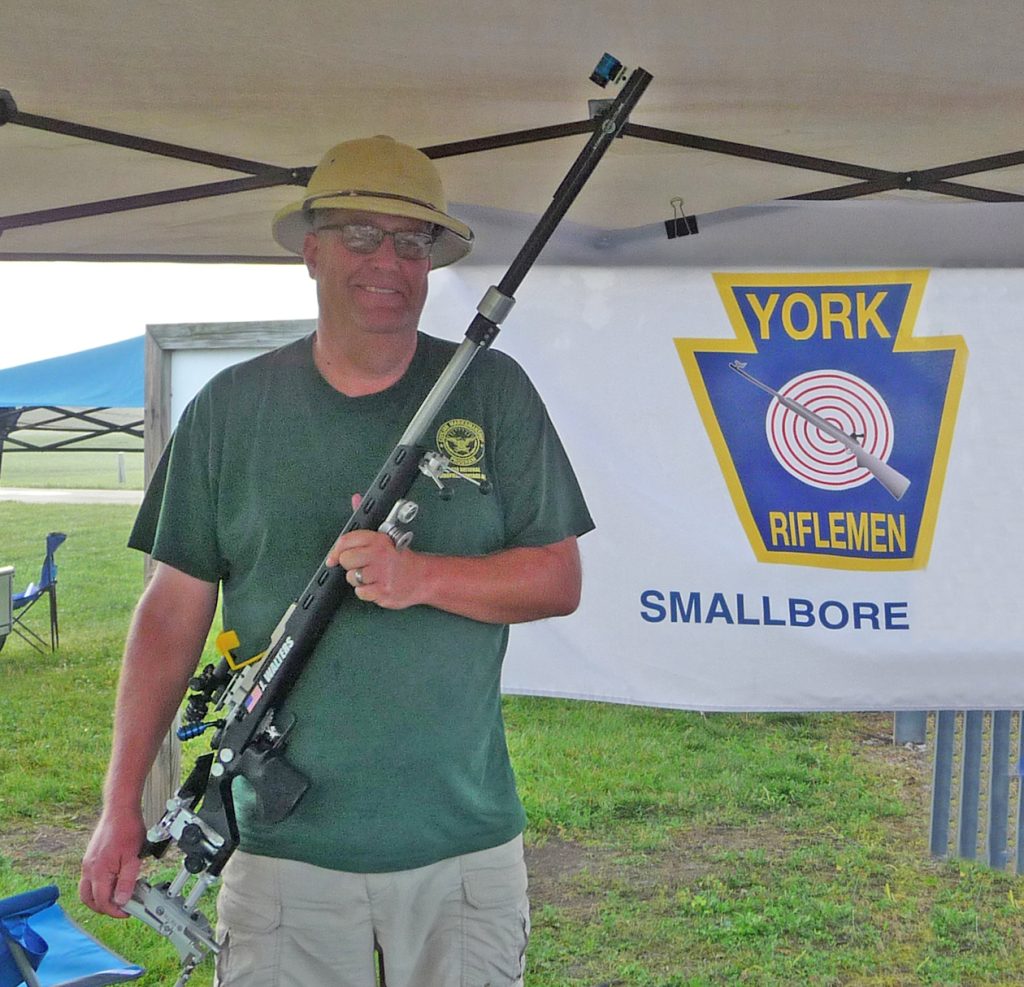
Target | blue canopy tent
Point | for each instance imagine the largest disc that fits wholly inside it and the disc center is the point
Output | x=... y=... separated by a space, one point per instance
x=84 y=401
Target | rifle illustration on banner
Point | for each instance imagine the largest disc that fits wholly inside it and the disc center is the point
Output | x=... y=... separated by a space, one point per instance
x=891 y=479
x=251 y=732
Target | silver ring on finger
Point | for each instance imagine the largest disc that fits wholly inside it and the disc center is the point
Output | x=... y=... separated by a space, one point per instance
x=358 y=577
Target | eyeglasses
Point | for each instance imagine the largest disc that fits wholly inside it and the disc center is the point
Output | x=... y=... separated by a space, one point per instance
x=364 y=238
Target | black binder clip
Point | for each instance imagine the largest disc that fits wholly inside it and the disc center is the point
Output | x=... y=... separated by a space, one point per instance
x=680 y=224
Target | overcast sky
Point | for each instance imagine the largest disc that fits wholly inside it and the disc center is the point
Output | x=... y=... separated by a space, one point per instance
x=52 y=308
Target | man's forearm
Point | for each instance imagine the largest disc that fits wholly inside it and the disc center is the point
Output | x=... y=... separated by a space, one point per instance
x=166 y=638
x=164 y=643
x=505 y=587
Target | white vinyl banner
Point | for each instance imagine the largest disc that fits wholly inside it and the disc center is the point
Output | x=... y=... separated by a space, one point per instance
x=806 y=483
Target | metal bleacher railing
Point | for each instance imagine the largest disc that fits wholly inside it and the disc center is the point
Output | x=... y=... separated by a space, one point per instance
x=977 y=810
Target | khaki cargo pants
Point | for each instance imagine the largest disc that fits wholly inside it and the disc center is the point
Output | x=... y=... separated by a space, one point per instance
x=462 y=922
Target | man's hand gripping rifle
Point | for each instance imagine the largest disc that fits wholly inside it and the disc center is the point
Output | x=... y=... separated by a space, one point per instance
x=251 y=730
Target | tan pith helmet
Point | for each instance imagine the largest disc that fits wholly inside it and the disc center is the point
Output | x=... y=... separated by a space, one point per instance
x=376 y=174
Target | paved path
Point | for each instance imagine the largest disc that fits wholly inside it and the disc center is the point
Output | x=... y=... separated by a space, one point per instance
x=40 y=495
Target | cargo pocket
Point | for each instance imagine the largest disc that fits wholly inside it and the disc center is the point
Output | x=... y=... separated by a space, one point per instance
x=495 y=927
x=248 y=925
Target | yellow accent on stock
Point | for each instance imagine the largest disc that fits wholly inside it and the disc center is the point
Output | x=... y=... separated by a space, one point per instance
x=227 y=641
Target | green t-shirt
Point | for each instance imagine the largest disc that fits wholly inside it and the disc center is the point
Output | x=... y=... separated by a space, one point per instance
x=398 y=718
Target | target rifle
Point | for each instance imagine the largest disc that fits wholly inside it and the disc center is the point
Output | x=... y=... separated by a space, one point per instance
x=891 y=479
x=251 y=729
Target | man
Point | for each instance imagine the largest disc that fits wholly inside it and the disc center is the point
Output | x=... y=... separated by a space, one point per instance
x=407 y=844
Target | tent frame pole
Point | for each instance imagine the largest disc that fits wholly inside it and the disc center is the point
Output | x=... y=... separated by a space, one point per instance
x=260 y=174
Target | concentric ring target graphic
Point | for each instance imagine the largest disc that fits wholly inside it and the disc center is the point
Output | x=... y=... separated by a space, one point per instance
x=849 y=404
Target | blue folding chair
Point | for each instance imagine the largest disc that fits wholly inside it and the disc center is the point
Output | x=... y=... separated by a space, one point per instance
x=41 y=947
x=34 y=592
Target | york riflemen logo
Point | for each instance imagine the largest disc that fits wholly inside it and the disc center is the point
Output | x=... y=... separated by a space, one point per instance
x=831 y=421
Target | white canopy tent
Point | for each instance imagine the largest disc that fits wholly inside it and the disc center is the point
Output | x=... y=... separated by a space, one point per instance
x=750 y=103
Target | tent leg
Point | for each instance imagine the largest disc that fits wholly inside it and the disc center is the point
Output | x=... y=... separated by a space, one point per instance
x=8 y=423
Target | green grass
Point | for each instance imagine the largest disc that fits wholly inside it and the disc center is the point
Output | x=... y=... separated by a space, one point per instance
x=763 y=849
x=667 y=848
x=59 y=707
x=80 y=469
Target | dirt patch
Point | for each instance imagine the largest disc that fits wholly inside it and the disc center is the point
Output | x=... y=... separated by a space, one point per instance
x=43 y=848
x=573 y=875
x=907 y=767
x=577 y=877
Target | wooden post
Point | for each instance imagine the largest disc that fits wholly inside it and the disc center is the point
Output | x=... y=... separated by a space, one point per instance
x=165 y=774
x=161 y=343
